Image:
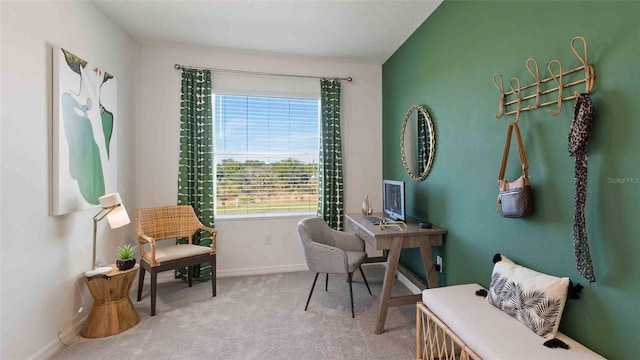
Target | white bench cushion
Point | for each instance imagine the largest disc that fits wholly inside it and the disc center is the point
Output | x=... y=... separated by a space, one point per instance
x=491 y=333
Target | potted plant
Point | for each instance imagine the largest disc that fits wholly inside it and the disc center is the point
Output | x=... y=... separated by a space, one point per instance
x=125 y=253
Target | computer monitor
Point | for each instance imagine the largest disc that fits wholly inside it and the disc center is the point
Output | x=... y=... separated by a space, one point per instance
x=393 y=199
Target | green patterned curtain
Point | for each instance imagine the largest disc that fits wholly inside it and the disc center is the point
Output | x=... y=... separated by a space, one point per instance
x=195 y=173
x=330 y=182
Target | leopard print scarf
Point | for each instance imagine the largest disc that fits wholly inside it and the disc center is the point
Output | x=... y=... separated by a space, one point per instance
x=578 y=140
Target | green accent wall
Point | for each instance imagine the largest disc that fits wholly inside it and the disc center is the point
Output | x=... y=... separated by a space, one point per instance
x=447 y=65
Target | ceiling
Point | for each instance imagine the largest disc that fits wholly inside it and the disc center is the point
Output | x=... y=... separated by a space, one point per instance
x=353 y=30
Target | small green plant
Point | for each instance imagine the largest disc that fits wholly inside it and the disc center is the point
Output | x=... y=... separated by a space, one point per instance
x=126 y=252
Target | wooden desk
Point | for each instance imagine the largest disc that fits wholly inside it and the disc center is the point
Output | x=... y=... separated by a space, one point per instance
x=394 y=240
x=112 y=311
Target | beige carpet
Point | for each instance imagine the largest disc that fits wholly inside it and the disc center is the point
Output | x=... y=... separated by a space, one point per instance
x=260 y=317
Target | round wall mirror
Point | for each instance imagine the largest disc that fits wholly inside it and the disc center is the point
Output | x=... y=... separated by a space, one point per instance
x=417 y=142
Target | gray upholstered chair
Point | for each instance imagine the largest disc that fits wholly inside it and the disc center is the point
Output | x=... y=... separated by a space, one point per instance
x=331 y=252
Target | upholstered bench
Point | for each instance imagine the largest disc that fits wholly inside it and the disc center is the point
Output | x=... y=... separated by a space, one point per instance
x=513 y=320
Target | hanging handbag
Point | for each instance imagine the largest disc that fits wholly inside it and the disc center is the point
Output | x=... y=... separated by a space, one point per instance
x=514 y=198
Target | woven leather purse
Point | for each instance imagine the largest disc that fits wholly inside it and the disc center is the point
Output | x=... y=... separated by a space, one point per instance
x=514 y=198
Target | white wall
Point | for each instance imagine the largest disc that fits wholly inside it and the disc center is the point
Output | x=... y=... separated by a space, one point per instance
x=43 y=256
x=241 y=249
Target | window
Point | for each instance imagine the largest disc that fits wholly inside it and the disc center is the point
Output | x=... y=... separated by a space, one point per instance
x=266 y=154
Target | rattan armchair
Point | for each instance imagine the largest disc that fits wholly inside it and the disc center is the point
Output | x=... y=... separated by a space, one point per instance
x=171 y=222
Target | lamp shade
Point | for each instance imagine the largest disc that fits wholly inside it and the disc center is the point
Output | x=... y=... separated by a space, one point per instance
x=118 y=217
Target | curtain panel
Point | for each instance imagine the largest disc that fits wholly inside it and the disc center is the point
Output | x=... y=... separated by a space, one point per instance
x=195 y=168
x=330 y=182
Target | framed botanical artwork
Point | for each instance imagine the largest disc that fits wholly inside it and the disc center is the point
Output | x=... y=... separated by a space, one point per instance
x=84 y=133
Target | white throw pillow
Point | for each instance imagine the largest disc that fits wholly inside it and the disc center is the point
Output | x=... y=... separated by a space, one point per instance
x=535 y=299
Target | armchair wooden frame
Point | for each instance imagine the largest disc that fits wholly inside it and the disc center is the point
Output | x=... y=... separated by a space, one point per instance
x=171 y=222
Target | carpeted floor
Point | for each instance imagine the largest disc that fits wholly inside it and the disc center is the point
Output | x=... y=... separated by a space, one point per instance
x=260 y=317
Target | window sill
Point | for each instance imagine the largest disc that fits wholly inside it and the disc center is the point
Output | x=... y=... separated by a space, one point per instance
x=250 y=217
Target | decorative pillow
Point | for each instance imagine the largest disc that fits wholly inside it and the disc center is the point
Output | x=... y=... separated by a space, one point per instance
x=535 y=299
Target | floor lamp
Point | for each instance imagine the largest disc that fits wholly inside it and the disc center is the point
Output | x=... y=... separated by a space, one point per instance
x=116 y=214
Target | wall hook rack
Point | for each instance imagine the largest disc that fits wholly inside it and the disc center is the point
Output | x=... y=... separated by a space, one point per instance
x=516 y=97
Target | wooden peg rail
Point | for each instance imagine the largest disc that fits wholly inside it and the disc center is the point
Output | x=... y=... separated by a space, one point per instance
x=515 y=98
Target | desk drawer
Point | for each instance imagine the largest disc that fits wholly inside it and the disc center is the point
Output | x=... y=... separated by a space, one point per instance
x=351 y=227
x=367 y=237
x=354 y=228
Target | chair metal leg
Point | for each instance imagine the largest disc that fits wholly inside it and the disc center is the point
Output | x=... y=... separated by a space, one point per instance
x=326 y=283
x=365 y=279
x=140 y=282
x=351 y=295
x=311 y=292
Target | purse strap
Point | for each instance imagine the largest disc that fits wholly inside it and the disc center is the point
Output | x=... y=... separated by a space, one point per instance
x=505 y=154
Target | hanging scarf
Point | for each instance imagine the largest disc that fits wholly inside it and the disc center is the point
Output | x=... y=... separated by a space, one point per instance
x=578 y=140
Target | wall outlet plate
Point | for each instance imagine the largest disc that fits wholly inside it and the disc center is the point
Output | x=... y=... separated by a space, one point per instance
x=267 y=239
x=439 y=263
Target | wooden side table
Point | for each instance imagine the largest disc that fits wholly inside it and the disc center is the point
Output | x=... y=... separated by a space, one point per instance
x=112 y=311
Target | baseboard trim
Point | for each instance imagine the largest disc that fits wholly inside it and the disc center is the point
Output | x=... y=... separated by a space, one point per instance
x=54 y=346
x=48 y=351
x=410 y=285
x=403 y=279
x=262 y=270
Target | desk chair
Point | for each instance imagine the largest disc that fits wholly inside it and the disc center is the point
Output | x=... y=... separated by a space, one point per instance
x=171 y=222
x=331 y=252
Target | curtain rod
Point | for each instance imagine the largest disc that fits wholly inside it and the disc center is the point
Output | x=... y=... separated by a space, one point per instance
x=179 y=67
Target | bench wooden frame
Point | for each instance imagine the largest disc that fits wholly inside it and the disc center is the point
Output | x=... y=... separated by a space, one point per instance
x=434 y=339
x=441 y=328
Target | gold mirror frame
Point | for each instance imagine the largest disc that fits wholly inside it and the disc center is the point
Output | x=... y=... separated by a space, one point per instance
x=432 y=143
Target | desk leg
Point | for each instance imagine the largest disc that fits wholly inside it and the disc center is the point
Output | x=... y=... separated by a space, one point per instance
x=389 y=276
x=427 y=261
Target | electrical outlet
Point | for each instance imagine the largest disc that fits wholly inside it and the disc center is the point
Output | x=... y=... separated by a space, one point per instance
x=267 y=239
x=439 y=266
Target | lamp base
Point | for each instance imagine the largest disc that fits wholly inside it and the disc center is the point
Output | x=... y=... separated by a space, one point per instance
x=96 y=271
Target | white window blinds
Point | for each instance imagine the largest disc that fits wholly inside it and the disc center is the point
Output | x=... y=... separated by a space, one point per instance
x=266 y=154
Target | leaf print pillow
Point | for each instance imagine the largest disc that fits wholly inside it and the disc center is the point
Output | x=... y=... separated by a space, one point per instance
x=535 y=299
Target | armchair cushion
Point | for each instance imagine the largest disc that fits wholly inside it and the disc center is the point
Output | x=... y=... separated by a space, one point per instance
x=181 y=251
x=355 y=259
